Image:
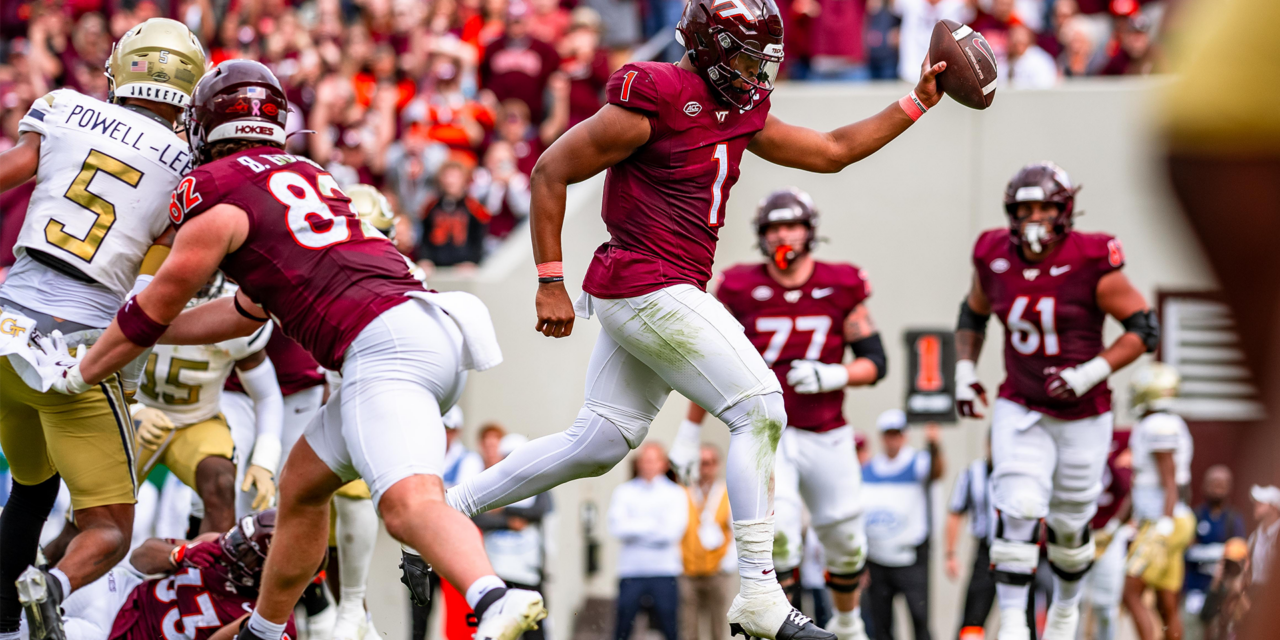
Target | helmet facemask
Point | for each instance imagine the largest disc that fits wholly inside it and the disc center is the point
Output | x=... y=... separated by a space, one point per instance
x=746 y=79
x=736 y=46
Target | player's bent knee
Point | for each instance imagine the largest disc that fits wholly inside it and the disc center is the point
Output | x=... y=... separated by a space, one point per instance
x=1071 y=562
x=845 y=544
x=763 y=414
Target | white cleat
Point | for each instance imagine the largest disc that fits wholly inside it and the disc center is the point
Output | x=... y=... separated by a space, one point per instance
x=1013 y=625
x=850 y=629
x=320 y=626
x=1060 y=622
x=766 y=613
x=351 y=625
x=517 y=611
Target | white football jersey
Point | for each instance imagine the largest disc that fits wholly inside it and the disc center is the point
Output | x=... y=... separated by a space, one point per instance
x=1158 y=432
x=185 y=382
x=103 y=186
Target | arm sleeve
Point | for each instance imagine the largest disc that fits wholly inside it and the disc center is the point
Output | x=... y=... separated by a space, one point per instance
x=960 y=494
x=268 y=407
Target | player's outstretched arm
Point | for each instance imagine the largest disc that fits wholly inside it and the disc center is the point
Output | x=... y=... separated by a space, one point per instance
x=198 y=249
x=19 y=164
x=971 y=332
x=595 y=144
x=804 y=148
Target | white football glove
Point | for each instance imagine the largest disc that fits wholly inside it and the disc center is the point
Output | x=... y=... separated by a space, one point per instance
x=56 y=364
x=969 y=390
x=686 y=452
x=811 y=376
x=1164 y=527
x=153 y=426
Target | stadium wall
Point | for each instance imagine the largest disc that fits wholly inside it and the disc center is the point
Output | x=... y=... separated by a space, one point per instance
x=908 y=215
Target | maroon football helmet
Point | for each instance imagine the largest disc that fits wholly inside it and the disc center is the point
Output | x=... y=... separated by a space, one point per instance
x=1040 y=182
x=736 y=45
x=786 y=205
x=236 y=100
x=245 y=547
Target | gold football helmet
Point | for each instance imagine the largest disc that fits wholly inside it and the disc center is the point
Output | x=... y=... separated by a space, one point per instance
x=158 y=60
x=373 y=209
x=1153 y=387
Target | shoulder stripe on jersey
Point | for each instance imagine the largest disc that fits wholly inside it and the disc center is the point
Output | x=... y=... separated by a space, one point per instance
x=36 y=114
x=626 y=85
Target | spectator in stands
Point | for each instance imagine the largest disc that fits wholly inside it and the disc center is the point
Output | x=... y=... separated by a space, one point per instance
x=995 y=23
x=882 y=40
x=444 y=114
x=1227 y=601
x=1078 y=57
x=1029 y=66
x=1216 y=522
x=705 y=588
x=517 y=65
x=1136 y=53
x=918 y=19
x=1262 y=542
x=585 y=64
x=528 y=140
x=897 y=506
x=514 y=538
x=837 y=50
x=454 y=224
x=549 y=22
x=649 y=515
x=502 y=189
x=621 y=20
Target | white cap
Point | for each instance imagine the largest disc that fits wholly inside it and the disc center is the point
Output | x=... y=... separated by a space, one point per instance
x=892 y=420
x=452 y=418
x=511 y=442
x=1268 y=494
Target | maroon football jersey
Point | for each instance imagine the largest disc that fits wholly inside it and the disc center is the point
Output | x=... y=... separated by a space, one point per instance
x=191 y=604
x=665 y=204
x=1050 y=313
x=296 y=370
x=306 y=259
x=797 y=324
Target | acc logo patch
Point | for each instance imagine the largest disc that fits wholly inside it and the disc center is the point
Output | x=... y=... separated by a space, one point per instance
x=692 y=108
x=999 y=265
x=762 y=293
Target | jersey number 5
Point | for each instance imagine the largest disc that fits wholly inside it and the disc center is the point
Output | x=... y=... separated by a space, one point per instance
x=87 y=247
x=1024 y=335
x=310 y=220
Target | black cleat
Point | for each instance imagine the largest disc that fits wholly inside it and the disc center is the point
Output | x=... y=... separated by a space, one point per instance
x=796 y=626
x=415 y=573
x=41 y=597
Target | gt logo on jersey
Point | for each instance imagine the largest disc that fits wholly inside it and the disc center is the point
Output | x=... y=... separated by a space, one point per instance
x=183 y=199
x=730 y=8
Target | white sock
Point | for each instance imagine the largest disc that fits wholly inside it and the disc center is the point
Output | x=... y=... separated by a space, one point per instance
x=1012 y=596
x=755 y=549
x=357 y=532
x=482 y=586
x=63 y=580
x=848 y=617
x=264 y=629
x=755 y=424
x=409 y=550
x=1067 y=593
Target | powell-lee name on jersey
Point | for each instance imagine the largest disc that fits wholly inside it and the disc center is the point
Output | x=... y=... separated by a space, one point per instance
x=175 y=157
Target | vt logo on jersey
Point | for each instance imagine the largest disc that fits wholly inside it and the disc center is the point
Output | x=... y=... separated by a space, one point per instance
x=730 y=8
x=792 y=296
x=720 y=115
x=1030 y=274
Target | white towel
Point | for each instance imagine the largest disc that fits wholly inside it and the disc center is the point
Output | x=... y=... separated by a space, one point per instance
x=15 y=342
x=481 y=350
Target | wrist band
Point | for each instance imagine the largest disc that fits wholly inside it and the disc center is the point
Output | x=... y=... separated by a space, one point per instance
x=137 y=326
x=911 y=104
x=551 y=270
x=550 y=280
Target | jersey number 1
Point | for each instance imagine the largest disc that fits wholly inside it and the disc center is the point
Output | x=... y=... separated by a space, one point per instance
x=721 y=156
x=1024 y=335
x=310 y=220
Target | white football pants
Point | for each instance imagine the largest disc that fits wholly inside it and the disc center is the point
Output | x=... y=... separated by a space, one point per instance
x=819 y=471
x=680 y=338
x=299 y=409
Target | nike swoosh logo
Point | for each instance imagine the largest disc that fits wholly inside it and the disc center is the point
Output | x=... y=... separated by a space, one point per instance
x=767 y=571
x=822 y=293
x=1057 y=271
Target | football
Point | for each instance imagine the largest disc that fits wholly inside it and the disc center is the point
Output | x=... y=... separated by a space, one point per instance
x=970 y=77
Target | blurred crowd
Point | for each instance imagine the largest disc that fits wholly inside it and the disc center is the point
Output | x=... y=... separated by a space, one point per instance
x=446 y=105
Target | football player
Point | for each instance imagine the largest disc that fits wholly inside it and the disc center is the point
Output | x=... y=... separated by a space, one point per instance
x=102 y=172
x=180 y=425
x=1162 y=450
x=204 y=588
x=802 y=314
x=1051 y=287
x=280 y=227
x=671 y=138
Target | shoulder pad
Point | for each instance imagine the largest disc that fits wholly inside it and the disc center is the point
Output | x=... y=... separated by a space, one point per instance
x=635 y=86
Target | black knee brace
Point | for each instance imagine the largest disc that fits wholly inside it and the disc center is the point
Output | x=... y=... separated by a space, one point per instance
x=845 y=582
x=1011 y=577
x=1078 y=566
